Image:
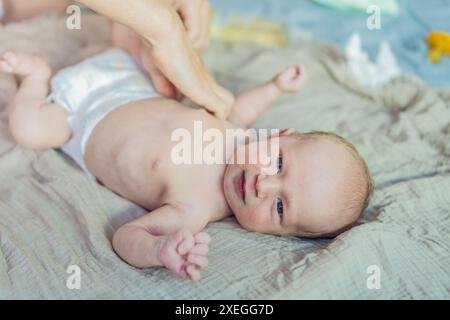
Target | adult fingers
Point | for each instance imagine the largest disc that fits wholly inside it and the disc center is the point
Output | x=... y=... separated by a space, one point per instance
x=190 y=13
x=177 y=59
x=161 y=84
x=203 y=42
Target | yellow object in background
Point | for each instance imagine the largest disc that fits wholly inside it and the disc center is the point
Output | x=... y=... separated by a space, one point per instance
x=258 y=30
x=439 y=43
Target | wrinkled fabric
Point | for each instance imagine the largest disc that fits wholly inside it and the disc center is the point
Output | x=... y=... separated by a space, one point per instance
x=52 y=216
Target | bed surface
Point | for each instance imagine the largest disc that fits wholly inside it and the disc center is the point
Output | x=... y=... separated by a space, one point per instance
x=53 y=216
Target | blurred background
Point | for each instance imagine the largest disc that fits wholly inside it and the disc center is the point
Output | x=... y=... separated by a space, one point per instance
x=405 y=26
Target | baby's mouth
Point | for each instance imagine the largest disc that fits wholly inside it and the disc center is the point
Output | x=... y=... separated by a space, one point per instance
x=240 y=186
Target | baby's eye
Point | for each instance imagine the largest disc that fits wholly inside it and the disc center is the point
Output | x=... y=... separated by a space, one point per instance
x=279 y=164
x=279 y=206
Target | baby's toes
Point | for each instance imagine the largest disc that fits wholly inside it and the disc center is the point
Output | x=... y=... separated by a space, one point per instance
x=200 y=261
x=11 y=57
x=24 y=64
x=8 y=61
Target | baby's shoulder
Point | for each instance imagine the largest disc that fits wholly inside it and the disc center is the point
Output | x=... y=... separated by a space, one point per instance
x=202 y=205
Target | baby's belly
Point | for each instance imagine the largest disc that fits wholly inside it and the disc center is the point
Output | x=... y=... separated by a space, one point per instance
x=141 y=181
x=127 y=149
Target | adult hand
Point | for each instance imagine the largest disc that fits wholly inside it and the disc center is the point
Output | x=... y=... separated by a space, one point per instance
x=196 y=16
x=171 y=31
x=125 y=38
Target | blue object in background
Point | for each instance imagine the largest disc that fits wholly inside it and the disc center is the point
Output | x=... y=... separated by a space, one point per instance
x=405 y=33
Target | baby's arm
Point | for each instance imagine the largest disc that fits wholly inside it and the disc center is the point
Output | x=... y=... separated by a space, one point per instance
x=165 y=237
x=16 y=10
x=251 y=104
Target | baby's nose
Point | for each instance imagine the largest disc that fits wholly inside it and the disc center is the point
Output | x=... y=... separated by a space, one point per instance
x=267 y=185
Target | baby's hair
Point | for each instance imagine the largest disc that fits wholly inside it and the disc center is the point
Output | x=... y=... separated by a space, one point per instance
x=366 y=194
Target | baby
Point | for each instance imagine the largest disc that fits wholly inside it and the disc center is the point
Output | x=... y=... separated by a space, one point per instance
x=105 y=114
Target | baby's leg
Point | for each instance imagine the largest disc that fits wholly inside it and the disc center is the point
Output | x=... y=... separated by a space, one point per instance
x=16 y=10
x=34 y=123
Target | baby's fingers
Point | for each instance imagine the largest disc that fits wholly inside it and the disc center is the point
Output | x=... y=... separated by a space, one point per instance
x=202 y=237
x=193 y=272
x=294 y=72
x=201 y=249
x=198 y=260
x=185 y=241
x=6 y=62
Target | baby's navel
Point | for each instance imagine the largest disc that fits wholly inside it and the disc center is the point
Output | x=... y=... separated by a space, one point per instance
x=156 y=165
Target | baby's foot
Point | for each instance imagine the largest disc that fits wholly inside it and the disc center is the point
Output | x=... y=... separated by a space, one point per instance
x=184 y=253
x=291 y=79
x=24 y=65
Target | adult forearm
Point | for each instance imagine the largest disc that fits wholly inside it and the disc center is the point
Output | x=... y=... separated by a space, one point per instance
x=152 y=19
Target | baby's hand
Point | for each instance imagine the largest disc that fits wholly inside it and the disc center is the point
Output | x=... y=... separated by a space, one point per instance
x=184 y=253
x=291 y=79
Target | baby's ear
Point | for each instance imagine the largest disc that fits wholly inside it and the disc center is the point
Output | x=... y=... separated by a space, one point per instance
x=287 y=132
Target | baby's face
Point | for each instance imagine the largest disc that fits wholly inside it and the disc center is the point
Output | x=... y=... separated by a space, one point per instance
x=304 y=198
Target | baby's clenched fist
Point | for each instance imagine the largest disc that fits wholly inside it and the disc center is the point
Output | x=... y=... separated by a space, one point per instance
x=291 y=79
x=184 y=253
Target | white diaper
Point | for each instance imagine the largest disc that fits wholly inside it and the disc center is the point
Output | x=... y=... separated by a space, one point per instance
x=92 y=89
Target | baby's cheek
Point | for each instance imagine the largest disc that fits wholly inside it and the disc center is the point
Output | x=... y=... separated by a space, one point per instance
x=261 y=214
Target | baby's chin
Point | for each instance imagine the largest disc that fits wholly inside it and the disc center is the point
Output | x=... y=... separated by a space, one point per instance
x=245 y=225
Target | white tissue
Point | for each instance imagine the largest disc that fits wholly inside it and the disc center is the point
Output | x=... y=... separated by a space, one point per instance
x=366 y=72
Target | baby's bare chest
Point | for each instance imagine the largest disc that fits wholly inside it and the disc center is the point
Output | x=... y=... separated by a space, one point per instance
x=154 y=156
